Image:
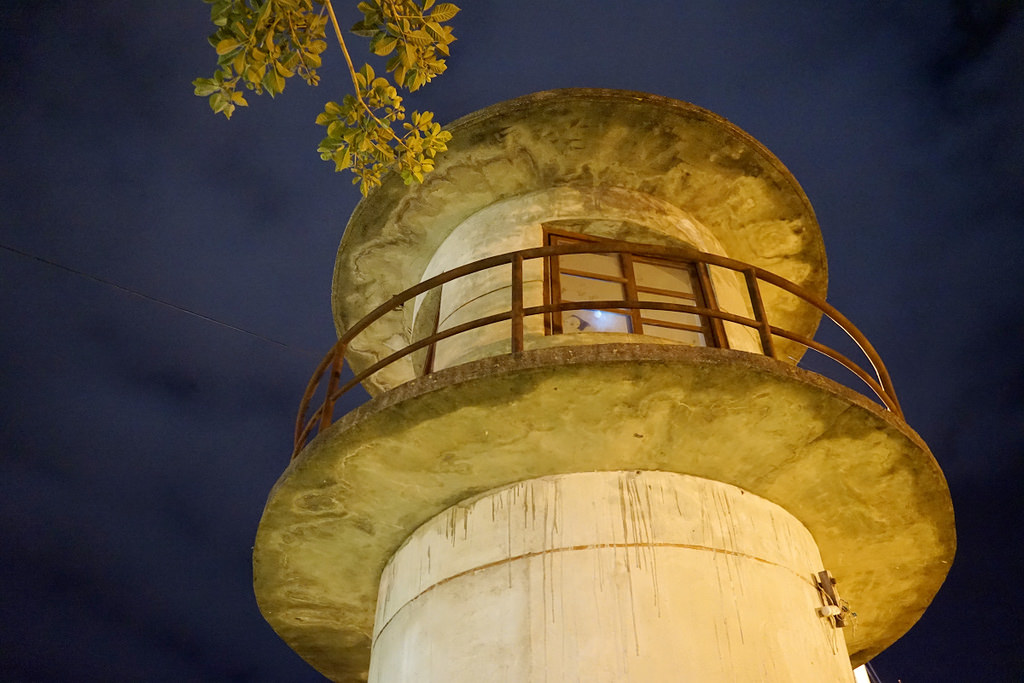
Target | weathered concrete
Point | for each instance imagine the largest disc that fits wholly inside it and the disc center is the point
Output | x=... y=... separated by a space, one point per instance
x=643 y=169
x=607 y=577
x=858 y=478
x=673 y=170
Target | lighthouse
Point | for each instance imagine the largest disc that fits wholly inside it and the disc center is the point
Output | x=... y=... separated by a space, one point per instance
x=592 y=452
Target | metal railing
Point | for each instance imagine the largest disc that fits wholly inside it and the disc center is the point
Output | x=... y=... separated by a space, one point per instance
x=331 y=366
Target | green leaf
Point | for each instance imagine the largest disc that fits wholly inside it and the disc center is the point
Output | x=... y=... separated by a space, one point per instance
x=273 y=82
x=335 y=129
x=205 y=87
x=265 y=10
x=361 y=28
x=384 y=46
x=227 y=45
x=444 y=12
x=434 y=29
x=419 y=37
x=283 y=71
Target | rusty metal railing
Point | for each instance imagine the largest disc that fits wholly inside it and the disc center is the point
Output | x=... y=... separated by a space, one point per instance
x=331 y=365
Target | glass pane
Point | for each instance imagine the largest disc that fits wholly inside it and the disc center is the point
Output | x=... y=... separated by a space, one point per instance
x=659 y=276
x=594 y=321
x=670 y=316
x=684 y=336
x=599 y=264
x=576 y=288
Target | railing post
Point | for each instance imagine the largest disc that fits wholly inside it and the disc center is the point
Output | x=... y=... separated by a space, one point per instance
x=332 y=385
x=517 y=303
x=553 y=290
x=635 y=314
x=760 y=315
x=717 y=326
x=428 y=360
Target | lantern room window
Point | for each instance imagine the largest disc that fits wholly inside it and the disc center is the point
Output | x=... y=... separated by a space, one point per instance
x=579 y=278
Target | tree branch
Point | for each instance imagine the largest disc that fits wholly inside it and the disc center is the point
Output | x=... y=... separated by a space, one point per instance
x=352 y=73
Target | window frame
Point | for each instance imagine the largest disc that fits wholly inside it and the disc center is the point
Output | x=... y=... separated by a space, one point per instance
x=700 y=281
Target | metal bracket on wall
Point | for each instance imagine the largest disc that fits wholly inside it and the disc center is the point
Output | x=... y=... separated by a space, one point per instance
x=835 y=608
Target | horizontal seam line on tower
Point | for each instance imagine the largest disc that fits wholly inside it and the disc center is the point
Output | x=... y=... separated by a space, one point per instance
x=590 y=546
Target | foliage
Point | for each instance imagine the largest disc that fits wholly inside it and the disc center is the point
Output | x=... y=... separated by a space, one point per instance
x=360 y=134
x=413 y=35
x=262 y=43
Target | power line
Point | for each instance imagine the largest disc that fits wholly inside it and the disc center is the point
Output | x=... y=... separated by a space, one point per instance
x=157 y=300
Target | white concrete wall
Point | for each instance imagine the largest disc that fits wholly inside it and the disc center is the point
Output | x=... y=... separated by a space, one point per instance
x=607 y=576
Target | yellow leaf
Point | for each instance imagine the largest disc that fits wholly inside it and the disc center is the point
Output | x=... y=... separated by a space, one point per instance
x=227 y=45
x=444 y=12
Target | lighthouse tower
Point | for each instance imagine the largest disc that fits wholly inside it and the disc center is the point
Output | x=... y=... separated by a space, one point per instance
x=591 y=452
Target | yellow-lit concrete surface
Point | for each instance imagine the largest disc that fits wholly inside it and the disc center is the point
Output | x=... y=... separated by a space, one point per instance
x=633 y=166
x=643 y=169
x=607 y=577
x=860 y=480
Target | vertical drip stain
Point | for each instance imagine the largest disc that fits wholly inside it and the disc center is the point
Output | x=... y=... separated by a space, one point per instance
x=547 y=577
x=626 y=510
x=548 y=559
x=598 y=518
x=651 y=535
x=557 y=529
x=560 y=527
x=739 y=593
x=728 y=539
x=508 y=533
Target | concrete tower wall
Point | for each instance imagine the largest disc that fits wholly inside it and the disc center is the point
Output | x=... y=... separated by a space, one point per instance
x=610 y=560
x=607 y=576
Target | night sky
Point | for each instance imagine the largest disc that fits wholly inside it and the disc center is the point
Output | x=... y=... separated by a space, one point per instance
x=165 y=278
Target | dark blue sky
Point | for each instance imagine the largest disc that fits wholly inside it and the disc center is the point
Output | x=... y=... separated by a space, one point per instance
x=138 y=442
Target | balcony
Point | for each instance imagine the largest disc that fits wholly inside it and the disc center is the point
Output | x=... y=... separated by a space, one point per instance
x=704 y=315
